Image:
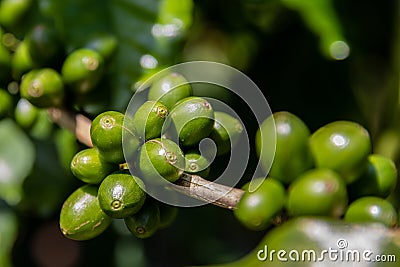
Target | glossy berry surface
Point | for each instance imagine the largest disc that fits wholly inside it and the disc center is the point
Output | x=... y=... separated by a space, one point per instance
x=89 y=167
x=81 y=217
x=257 y=209
x=342 y=146
x=371 y=209
x=317 y=192
x=379 y=178
x=107 y=132
x=193 y=119
x=160 y=158
x=226 y=132
x=43 y=87
x=170 y=89
x=149 y=119
x=82 y=69
x=146 y=222
x=25 y=113
x=120 y=194
x=292 y=154
x=195 y=163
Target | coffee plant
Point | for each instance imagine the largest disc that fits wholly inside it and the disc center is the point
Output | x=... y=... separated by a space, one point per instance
x=119 y=148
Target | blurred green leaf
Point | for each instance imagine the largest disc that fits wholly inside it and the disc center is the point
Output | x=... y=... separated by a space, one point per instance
x=131 y=22
x=49 y=183
x=17 y=155
x=171 y=27
x=8 y=235
x=92 y=18
x=321 y=18
x=177 y=12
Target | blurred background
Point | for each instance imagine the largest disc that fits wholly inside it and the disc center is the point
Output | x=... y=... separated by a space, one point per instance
x=322 y=60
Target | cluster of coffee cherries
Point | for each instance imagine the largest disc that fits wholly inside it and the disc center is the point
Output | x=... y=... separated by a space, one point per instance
x=131 y=152
x=329 y=173
x=45 y=73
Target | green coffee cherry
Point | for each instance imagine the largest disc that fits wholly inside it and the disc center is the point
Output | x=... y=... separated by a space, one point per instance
x=317 y=192
x=379 y=179
x=149 y=119
x=120 y=194
x=5 y=103
x=371 y=209
x=257 y=209
x=107 y=131
x=170 y=89
x=196 y=164
x=168 y=214
x=342 y=146
x=226 y=132
x=12 y=11
x=89 y=167
x=44 y=46
x=25 y=113
x=144 y=223
x=193 y=119
x=160 y=158
x=21 y=61
x=292 y=154
x=82 y=70
x=81 y=217
x=104 y=44
x=43 y=88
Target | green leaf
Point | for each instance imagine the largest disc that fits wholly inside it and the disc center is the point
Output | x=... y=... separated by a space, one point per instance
x=177 y=12
x=131 y=22
x=321 y=18
x=76 y=19
x=17 y=155
x=49 y=183
x=173 y=21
